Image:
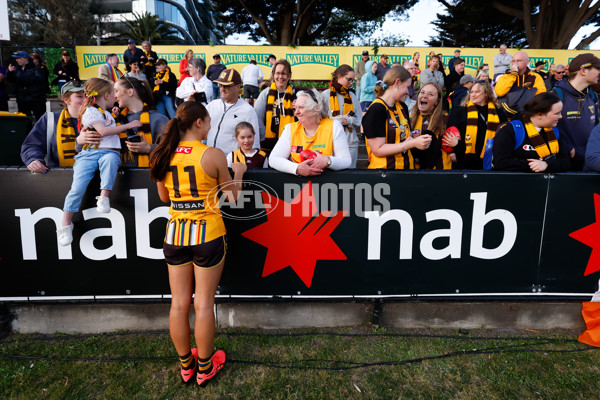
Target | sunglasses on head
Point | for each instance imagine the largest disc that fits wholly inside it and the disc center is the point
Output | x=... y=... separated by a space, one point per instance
x=312 y=95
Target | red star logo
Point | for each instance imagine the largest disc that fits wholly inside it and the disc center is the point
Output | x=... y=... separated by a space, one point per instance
x=294 y=238
x=590 y=236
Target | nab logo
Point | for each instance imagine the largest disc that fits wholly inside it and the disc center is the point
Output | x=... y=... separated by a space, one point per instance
x=300 y=239
x=184 y=150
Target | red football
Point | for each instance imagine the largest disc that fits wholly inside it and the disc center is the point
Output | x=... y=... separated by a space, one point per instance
x=450 y=132
x=308 y=155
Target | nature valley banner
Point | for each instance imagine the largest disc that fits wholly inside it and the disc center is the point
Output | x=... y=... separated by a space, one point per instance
x=314 y=62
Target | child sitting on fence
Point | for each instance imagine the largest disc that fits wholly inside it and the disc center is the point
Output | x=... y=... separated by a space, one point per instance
x=105 y=156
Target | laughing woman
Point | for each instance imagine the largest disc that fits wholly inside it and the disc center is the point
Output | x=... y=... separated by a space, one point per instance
x=428 y=118
x=387 y=127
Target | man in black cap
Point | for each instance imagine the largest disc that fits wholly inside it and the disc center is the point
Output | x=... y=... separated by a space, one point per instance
x=132 y=52
x=539 y=69
x=580 y=106
x=213 y=72
x=359 y=71
x=66 y=70
x=29 y=83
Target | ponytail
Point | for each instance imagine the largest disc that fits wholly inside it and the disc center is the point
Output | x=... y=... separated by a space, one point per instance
x=160 y=158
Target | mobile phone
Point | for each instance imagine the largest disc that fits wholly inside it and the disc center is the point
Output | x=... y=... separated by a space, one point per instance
x=200 y=97
x=134 y=138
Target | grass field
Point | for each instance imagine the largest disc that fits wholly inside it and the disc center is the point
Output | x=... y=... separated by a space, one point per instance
x=366 y=362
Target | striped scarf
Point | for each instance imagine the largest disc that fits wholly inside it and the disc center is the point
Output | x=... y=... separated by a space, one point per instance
x=148 y=55
x=115 y=73
x=472 y=124
x=542 y=148
x=278 y=115
x=126 y=155
x=164 y=75
x=94 y=146
x=334 y=106
x=65 y=139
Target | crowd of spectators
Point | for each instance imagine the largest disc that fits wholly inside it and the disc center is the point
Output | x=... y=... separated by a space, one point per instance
x=458 y=113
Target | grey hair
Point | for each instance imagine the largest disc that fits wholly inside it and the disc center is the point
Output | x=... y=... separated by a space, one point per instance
x=312 y=105
x=198 y=63
x=559 y=66
x=146 y=42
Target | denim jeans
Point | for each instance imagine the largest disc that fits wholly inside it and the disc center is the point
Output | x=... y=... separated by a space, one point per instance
x=165 y=106
x=86 y=164
x=216 y=91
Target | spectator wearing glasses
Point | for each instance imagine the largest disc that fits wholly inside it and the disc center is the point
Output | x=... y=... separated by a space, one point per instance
x=274 y=106
x=519 y=75
x=343 y=106
x=557 y=75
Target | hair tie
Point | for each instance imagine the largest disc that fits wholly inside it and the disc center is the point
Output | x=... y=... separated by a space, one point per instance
x=382 y=84
x=92 y=94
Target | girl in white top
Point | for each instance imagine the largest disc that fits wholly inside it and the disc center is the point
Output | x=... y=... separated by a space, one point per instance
x=105 y=156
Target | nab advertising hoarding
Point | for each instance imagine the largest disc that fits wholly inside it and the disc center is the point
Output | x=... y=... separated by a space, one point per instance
x=353 y=233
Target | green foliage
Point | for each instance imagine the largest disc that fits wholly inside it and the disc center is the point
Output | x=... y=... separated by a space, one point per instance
x=148 y=27
x=474 y=23
x=331 y=22
x=52 y=22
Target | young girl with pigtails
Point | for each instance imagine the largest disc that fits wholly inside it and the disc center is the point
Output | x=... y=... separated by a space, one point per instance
x=105 y=156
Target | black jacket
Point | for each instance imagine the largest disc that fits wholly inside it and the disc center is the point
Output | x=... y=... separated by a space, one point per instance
x=507 y=158
x=69 y=71
x=29 y=83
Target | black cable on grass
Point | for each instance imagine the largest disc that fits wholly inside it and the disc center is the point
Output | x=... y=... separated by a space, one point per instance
x=293 y=334
x=333 y=364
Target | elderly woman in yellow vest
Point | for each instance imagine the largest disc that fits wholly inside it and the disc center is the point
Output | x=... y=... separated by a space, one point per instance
x=344 y=106
x=387 y=127
x=274 y=106
x=477 y=119
x=313 y=143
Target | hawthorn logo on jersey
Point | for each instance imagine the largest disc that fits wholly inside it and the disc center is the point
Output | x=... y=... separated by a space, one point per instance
x=300 y=241
x=184 y=150
x=590 y=236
